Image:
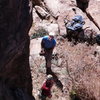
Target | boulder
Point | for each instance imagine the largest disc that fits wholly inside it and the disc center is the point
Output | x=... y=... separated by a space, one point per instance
x=41 y=12
x=53 y=6
x=36 y=18
x=52 y=28
x=44 y=27
x=36 y=21
x=93 y=12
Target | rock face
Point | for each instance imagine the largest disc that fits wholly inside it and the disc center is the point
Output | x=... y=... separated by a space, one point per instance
x=15 y=76
x=59 y=10
x=67 y=8
x=42 y=13
x=93 y=12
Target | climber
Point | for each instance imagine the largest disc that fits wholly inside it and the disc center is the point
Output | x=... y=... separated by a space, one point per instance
x=47 y=45
x=46 y=88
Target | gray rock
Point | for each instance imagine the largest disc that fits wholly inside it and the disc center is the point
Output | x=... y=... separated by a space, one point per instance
x=43 y=14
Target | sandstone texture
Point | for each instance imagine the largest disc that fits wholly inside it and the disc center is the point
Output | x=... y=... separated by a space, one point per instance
x=76 y=67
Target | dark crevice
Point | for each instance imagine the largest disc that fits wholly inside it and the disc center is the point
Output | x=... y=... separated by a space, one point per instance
x=36 y=2
x=91 y=19
x=83 y=6
x=41 y=17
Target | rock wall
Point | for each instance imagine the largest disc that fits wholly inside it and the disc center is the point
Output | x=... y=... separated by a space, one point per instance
x=93 y=12
x=37 y=2
x=58 y=10
x=15 y=76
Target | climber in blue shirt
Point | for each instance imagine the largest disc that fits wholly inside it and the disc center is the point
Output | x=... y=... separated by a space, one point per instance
x=48 y=43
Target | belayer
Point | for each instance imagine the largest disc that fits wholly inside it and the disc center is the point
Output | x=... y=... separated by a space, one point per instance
x=45 y=91
x=48 y=44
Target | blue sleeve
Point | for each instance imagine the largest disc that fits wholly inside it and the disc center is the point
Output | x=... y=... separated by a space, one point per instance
x=45 y=37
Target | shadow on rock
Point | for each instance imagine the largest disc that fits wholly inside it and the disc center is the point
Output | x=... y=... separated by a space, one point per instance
x=57 y=81
x=82 y=4
x=7 y=93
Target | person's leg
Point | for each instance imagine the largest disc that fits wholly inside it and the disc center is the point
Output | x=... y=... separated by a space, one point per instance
x=41 y=96
x=48 y=59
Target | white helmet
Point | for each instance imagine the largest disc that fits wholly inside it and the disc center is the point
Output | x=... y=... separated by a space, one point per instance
x=52 y=34
x=49 y=77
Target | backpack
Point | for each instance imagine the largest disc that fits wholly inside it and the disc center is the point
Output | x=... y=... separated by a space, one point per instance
x=76 y=23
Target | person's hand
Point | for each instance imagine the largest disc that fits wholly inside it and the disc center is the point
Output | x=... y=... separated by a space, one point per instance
x=42 y=52
x=49 y=96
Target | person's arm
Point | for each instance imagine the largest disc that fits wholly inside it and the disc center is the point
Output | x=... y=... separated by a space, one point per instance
x=42 y=43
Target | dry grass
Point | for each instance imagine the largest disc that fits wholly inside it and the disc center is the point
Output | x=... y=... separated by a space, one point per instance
x=79 y=71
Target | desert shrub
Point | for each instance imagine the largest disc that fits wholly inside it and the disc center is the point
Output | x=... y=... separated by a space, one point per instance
x=39 y=33
x=74 y=95
x=82 y=93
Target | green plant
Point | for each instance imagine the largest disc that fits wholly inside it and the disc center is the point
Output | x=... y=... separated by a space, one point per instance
x=39 y=33
x=74 y=95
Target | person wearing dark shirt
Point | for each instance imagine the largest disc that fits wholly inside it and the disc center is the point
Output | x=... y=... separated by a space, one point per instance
x=46 y=88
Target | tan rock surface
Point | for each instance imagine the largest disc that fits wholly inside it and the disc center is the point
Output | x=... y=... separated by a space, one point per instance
x=94 y=11
x=77 y=65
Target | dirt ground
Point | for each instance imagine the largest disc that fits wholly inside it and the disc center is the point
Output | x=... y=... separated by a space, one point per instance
x=76 y=68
